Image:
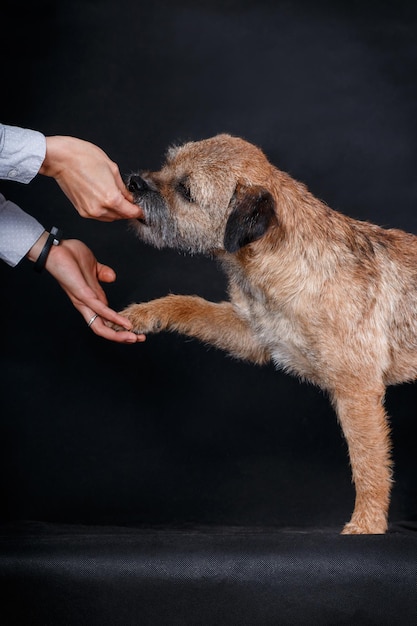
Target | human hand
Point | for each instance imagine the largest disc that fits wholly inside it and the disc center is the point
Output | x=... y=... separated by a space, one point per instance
x=90 y=180
x=78 y=272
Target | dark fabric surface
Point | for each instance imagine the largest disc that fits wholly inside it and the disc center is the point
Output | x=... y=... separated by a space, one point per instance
x=111 y=576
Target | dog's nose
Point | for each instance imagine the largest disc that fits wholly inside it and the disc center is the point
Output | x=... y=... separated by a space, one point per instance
x=137 y=184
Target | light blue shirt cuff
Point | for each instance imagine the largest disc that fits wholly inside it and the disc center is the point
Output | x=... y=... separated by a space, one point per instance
x=18 y=232
x=22 y=152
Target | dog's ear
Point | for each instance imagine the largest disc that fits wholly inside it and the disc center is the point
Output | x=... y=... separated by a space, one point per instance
x=252 y=214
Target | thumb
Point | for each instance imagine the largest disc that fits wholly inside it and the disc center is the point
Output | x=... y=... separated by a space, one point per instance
x=105 y=274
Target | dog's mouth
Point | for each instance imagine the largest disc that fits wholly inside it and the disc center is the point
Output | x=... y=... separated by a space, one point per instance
x=142 y=220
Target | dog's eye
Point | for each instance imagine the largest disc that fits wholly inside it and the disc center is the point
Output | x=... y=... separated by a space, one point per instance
x=184 y=191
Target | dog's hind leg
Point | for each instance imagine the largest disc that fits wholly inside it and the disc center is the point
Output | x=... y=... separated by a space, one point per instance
x=364 y=423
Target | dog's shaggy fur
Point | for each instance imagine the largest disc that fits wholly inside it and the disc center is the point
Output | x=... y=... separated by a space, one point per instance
x=329 y=298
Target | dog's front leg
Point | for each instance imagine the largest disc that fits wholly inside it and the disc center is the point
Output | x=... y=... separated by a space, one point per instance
x=364 y=423
x=216 y=324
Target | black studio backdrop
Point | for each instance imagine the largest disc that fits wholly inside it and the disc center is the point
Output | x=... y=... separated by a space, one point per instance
x=170 y=432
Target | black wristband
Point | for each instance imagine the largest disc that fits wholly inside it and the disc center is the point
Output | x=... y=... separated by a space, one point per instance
x=54 y=238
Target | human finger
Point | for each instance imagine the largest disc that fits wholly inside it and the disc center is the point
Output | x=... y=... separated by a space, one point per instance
x=99 y=327
x=122 y=185
x=128 y=210
x=107 y=314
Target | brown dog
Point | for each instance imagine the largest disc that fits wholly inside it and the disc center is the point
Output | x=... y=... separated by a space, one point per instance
x=329 y=298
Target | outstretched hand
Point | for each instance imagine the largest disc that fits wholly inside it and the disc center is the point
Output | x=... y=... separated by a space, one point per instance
x=78 y=272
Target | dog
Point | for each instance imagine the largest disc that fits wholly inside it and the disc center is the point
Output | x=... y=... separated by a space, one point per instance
x=326 y=297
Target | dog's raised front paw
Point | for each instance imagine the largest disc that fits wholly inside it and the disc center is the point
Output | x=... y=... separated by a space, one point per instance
x=142 y=317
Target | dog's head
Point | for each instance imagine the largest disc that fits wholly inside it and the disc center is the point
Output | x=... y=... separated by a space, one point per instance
x=210 y=195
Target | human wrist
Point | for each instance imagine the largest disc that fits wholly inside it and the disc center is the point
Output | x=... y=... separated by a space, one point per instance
x=40 y=251
x=37 y=247
x=56 y=153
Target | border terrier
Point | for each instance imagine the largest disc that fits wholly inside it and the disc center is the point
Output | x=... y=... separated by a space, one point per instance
x=321 y=295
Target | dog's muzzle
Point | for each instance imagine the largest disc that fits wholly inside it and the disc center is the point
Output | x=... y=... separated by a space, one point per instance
x=138 y=186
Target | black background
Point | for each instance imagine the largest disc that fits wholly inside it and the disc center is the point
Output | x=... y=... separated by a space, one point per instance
x=170 y=431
